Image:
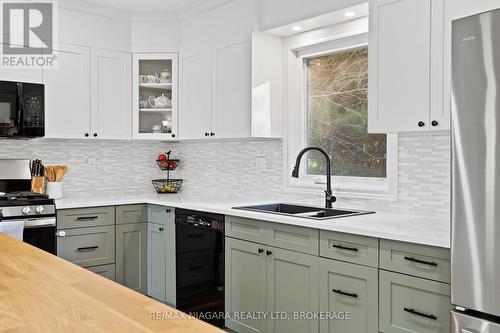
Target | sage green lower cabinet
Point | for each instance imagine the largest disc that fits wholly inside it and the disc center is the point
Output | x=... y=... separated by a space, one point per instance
x=411 y=304
x=245 y=279
x=349 y=293
x=157 y=271
x=131 y=256
x=107 y=271
x=161 y=254
x=292 y=287
x=265 y=279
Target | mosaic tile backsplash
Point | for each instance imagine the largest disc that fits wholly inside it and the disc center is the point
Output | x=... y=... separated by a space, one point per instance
x=227 y=170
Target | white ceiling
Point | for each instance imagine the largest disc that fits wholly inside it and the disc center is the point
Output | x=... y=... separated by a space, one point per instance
x=147 y=5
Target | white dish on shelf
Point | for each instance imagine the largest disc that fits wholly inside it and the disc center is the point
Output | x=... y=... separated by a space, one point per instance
x=152 y=110
x=164 y=85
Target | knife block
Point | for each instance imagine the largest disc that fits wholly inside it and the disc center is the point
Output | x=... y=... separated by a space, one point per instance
x=37 y=184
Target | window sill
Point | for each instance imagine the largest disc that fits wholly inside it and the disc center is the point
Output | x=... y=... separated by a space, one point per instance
x=375 y=190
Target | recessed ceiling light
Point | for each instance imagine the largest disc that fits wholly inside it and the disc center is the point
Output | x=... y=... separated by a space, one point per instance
x=349 y=14
x=296 y=28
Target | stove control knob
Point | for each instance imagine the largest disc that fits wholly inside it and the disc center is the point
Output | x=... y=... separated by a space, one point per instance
x=39 y=209
x=26 y=210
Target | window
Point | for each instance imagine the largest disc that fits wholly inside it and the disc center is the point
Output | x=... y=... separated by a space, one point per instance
x=327 y=94
x=337 y=116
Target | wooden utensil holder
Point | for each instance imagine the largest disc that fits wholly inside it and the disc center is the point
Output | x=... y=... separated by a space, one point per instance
x=38 y=184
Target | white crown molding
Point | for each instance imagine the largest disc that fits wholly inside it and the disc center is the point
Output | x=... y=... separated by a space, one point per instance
x=94 y=9
x=192 y=9
x=199 y=7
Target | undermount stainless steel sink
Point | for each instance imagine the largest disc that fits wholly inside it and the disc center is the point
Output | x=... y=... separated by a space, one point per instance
x=308 y=212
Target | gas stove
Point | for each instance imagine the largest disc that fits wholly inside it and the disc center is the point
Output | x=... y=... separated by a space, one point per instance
x=15 y=205
x=36 y=211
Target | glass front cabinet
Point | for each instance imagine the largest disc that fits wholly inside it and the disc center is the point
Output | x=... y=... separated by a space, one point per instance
x=155 y=96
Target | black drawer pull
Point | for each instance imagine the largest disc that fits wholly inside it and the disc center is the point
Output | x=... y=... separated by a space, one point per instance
x=260 y=250
x=338 y=291
x=195 y=268
x=425 y=315
x=196 y=236
x=168 y=210
x=86 y=218
x=341 y=247
x=430 y=263
x=269 y=252
x=87 y=248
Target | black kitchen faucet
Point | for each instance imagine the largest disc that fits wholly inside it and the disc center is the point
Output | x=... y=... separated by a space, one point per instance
x=329 y=197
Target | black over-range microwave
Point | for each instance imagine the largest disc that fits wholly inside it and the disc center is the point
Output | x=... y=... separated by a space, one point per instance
x=22 y=111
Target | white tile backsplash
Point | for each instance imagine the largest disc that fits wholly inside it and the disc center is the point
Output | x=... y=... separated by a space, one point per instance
x=227 y=170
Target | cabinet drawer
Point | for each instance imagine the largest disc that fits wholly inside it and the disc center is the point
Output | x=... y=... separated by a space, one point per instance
x=410 y=304
x=160 y=214
x=246 y=229
x=419 y=260
x=107 y=271
x=305 y=240
x=131 y=214
x=87 y=246
x=346 y=247
x=85 y=217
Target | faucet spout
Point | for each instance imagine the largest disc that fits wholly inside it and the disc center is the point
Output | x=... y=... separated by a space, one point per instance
x=329 y=197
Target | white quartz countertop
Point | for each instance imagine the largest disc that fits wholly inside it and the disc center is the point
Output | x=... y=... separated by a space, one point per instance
x=400 y=227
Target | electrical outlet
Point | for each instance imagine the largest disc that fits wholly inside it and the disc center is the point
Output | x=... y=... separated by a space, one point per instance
x=261 y=164
x=91 y=163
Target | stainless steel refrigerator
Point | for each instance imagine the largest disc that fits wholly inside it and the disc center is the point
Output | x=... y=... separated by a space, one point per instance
x=475 y=252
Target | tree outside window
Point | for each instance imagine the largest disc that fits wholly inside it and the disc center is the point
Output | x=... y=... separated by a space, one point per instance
x=337 y=117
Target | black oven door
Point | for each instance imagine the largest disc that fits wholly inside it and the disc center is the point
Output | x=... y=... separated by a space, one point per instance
x=10 y=110
x=41 y=233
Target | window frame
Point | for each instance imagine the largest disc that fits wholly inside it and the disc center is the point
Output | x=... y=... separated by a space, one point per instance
x=346 y=36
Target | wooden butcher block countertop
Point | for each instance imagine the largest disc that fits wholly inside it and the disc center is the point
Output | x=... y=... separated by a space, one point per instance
x=40 y=292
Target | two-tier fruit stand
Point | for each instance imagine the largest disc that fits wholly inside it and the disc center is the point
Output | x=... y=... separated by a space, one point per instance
x=167 y=185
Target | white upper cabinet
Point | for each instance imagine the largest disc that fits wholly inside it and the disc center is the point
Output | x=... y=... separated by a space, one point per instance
x=216 y=93
x=155 y=96
x=67 y=93
x=406 y=66
x=215 y=70
x=232 y=118
x=87 y=94
x=111 y=114
x=195 y=119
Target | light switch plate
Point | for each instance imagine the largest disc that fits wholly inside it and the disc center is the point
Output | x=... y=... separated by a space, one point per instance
x=261 y=164
x=91 y=163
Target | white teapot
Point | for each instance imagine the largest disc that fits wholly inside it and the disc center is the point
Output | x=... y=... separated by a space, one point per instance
x=160 y=102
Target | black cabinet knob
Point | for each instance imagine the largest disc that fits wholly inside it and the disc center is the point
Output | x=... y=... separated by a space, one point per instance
x=421 y=124
x=206 y=134
x=86 y=135
x=161 y=229
x=167 y=210
x=95 y=135
x=260 y=250
x=269 y=253
x=173 y=135
x=434 y=123
x=212 y=133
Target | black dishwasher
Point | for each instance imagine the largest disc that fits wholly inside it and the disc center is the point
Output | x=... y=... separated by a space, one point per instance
x=199 y=241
